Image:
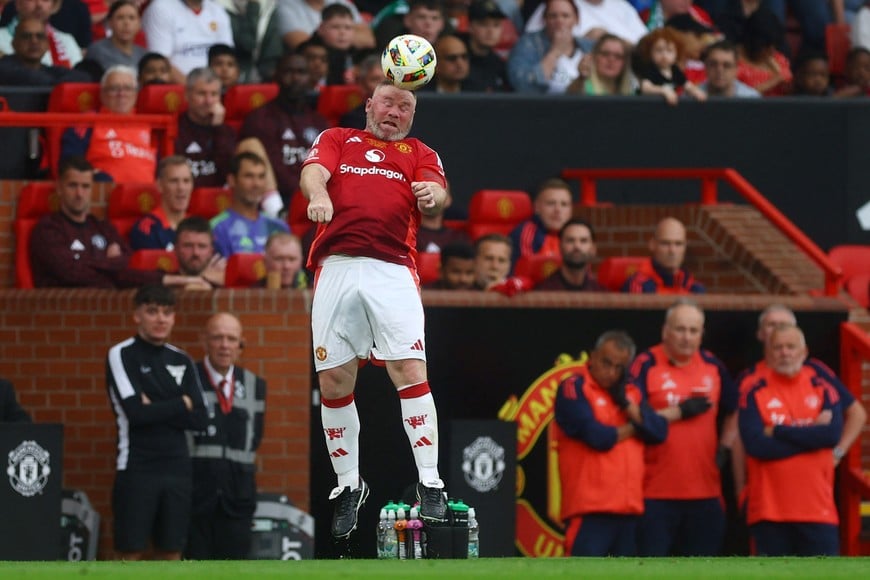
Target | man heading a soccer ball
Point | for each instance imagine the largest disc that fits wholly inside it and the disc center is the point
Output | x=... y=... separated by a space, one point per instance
x=367 y=191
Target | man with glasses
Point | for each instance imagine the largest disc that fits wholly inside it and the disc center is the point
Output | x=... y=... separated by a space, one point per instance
x=720 y=60
x=119 y=153
x=24 y=67
x=452 y=70
x=64 y=50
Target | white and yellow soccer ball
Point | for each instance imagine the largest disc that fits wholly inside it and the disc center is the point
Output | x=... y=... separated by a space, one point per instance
x=408 y=61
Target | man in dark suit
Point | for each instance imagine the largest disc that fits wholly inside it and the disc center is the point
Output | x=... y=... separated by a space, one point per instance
x=224 y=454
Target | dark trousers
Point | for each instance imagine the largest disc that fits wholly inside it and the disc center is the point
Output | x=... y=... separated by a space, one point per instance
x=606 y=535
x=218 y=536
x=795 y=539
x=691 y=527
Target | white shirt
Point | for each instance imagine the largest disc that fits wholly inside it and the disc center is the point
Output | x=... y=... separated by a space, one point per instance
x=617 y=17
x=216 y=378
x=298 y=15
x=177 y=32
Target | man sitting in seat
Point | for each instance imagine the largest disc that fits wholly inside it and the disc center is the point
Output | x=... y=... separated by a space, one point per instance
x=194 y=250
x=540 y=234
x=24 y=67
x=62 y=50
x=457 y=268
x=157 y=229
x=242 y=227
x=283 y=259
x=73 y=249
x=664 y=272
x=119 y=153
x=577 y=244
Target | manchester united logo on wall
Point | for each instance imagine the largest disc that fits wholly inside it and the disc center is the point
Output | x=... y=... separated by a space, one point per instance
x=28 y=468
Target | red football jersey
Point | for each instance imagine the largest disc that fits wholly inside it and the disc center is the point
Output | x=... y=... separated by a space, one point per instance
x=375 y=211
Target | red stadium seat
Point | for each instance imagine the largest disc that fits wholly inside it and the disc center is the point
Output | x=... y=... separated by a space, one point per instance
x=130 y=201
x=244 y=270
x=161 y=99
x=536 y=268
x=207 y=202
x=336 y=100
x=297 y=215
x=428 y=267
x=242 y=99
x=614 y=271
x=497 y=211
x=858 y=286
x=852 y=258
x=67 y=98
x=164 y=260
x=35 y=200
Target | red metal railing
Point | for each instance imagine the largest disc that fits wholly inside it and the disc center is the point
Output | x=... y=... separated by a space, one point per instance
x=854 y=486
x=709 y=178
x=166 y=124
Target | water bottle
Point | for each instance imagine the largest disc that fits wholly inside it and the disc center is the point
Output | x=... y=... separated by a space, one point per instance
x=473 y=535
x=391 y=542
x=401 y=524
x=459 y=529
x=383 y=524
x=415 y=525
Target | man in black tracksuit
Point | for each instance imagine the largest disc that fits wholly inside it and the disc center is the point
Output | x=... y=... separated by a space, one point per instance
x=156 y=396
x=224 y=486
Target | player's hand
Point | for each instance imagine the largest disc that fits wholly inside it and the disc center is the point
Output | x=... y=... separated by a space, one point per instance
x=320 y=208
x=145 y=399
x=425 y=192
x=617 y=394
x=188 y=402
x=511 y=286
x=694 y=406
x=671 y=96
x=218 y=113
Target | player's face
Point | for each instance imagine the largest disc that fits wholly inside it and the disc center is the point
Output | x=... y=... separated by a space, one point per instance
x=492 y=263
x=458 y=273
x=155 y=322
x=668 y=247
x=337 y=32
x=202 y=97
x=608 y=363
x=284 y=256
x=390 y=113
x=553 y=206
x=194 y=251
x=486 y=32
x=577 y=246
x=786 y=351
x=250 y=183
x=226 y=67
x=773 y=320
x=118 y=93
x=176 y=184
x=125 y=23
x=682 y=332
x=425 y=22
x=721 y=66
x=609 y=59
x=74 y=190
x=223 y=341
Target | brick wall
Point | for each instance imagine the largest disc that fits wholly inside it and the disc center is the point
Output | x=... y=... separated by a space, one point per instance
x=53 y=345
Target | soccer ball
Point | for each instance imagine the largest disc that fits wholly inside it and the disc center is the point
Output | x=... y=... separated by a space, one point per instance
x=408 y=61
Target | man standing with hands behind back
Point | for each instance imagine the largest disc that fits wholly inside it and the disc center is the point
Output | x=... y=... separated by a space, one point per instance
x=224 y=455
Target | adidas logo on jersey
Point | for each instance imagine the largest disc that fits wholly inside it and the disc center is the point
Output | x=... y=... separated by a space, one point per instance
x=417 y=345
x=193 y=148
x=77 y=246
x=774 y=404
x=288 y=135
x=110 y=134
x=422 y=442
x=339 y=453
x=354 y=140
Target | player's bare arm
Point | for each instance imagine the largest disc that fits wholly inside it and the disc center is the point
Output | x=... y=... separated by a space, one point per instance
x=312 y=182
x=431 y=197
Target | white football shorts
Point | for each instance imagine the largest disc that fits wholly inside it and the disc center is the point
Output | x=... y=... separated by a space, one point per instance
x=365 y=306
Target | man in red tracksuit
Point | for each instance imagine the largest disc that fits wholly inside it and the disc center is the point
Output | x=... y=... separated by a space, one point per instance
x=790 y=420
x=601 y=427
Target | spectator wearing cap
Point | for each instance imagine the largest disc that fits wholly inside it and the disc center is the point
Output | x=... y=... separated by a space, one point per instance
x=720 y=62
x=597 y=18
x=485 y=20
